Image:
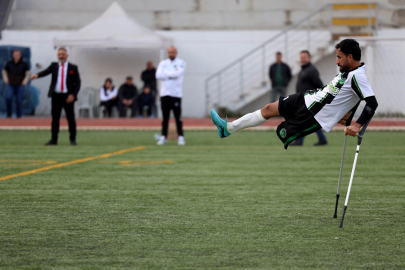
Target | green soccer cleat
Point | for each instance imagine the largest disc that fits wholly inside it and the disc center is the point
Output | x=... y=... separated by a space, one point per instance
x=221 y=124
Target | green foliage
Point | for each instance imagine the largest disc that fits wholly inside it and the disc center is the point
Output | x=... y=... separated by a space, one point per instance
x=239 y=202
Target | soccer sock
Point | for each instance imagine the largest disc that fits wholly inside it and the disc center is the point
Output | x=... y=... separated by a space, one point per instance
x=248 y=120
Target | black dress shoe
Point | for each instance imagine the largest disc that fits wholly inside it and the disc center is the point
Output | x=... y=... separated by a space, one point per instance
x=51 y=143
x=296 y=143
x=321 y=143
x=73 y=143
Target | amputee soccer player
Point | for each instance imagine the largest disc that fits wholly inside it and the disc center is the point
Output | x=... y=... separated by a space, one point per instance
x=311 y=110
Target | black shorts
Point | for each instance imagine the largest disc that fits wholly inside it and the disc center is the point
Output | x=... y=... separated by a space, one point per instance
x=299 y=121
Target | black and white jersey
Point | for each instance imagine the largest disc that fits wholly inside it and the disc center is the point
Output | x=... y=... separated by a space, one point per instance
x=333 y=101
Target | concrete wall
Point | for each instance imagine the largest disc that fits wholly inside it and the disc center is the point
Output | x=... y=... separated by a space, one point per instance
x=204 y=51
x=188 y=14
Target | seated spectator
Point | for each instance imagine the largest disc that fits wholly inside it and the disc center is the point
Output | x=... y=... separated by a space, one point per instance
x=146 y=100
x=127 y=95
x=108 y=96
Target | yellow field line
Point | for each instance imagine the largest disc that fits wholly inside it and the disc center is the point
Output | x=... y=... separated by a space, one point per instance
x=72 y=162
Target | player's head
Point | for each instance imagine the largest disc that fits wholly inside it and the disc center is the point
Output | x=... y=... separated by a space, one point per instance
x=128 y=80
x=279 y=57
x=348 y=54
x=108 y=83
x=16 y=55
x=172 y=52
x=149 y=65
x=62 y=54
x=305 y=58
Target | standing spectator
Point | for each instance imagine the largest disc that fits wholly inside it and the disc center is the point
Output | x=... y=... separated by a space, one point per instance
x=148 y=77
x=16 y=75
x=108 y=96
x=127 y=97
x=65 y=86
x=145 y=100
x=308 y=79
x=280 y=76
x=170 y=72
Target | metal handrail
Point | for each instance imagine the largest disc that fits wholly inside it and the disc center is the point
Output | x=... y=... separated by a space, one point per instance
x=272 y=39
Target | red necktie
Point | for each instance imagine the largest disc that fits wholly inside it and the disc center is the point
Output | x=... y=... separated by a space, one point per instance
x=63 y=73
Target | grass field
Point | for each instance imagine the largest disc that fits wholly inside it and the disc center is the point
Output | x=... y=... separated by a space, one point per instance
x=240 y=202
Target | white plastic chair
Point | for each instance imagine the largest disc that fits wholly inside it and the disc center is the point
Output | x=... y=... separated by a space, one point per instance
x=86 y=101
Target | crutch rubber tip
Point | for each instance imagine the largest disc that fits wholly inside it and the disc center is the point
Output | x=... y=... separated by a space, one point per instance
x=334 y=216
x=343 y=216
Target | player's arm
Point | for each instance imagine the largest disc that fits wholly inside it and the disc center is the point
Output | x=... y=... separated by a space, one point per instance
x=361 y=86
x=160 y=72
x=178 y=72
x=43 y=73
x=366 y=115
x=348 y=115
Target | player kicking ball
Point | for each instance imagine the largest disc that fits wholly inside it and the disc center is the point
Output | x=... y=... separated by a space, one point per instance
x=311 y=110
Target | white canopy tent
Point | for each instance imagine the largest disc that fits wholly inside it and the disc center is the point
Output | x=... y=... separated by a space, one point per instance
x=114 y=29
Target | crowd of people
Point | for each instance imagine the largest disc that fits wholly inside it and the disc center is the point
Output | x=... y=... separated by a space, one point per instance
x=127 y=95
x=65 y=85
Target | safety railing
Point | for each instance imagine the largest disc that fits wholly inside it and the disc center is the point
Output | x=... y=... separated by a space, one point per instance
x=237 y=83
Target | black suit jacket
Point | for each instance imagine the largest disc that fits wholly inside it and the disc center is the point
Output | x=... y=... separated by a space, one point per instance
x=72 y=78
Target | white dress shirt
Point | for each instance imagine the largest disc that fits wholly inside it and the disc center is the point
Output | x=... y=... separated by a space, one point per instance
x=109 y=94
x=58 y=86
x=171 y=73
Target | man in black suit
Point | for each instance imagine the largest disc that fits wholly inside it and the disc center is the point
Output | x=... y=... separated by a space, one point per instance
x=65 y=86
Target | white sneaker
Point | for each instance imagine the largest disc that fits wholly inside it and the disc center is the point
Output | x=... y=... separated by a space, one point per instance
x=181 y=141
x=162 y=140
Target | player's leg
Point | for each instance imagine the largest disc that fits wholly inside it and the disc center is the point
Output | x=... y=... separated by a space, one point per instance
x=249 y=120
x=57 y=105
x=177 y=115
x=165 y=103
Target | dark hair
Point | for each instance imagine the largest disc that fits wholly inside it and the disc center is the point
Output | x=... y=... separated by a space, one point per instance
x=16 y=50
x=279 y=53
x=350 y=46
x=307 y=52
x=129 y=78
x=108 y=80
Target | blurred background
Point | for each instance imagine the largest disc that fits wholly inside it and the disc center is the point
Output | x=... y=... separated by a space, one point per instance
x=228 y=45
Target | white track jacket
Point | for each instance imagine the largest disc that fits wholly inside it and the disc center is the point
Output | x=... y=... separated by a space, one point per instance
x=171 y=73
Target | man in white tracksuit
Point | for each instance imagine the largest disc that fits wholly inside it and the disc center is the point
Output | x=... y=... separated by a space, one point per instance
x=171 y=72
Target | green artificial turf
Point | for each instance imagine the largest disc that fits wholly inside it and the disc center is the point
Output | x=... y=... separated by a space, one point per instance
x=239 y=202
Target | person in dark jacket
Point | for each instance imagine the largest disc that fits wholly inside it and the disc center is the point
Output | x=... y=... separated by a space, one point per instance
x=149 y=79
x=127 y=95
x=65 y=86
x=148 y=76
x=16 y=75
x=308 y=79
x=280 y=76
x=145 y=99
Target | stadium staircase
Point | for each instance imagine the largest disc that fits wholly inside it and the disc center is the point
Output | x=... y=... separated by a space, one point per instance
x=245 y=80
